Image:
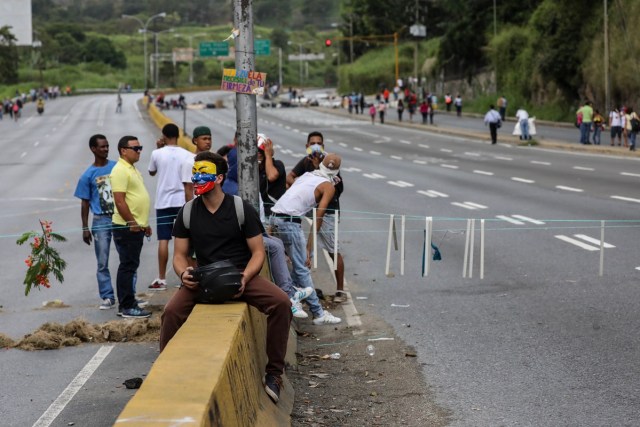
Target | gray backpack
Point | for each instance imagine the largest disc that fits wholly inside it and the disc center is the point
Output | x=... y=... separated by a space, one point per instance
x=237 y=201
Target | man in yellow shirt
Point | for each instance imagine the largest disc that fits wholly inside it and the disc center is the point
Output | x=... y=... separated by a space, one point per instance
x=130 y=223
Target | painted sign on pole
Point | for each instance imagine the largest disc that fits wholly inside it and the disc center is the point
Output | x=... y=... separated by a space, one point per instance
x=243 y=81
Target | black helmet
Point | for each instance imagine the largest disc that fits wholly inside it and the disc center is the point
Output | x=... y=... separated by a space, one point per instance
x=217 y=282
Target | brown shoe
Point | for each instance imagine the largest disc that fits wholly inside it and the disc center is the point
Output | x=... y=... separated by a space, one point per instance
x=340 y=297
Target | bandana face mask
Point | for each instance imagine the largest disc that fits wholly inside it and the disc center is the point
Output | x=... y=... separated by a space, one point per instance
x=325 y=172
x=204 y=177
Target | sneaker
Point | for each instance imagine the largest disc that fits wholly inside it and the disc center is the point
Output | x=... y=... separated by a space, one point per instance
x=326 y=319
x=158 y=285
x=135 y=312
x=107 y=304
x=340 y=297
x=296 y=309
x=302 y=293
x=272 y=386
x=142 y=303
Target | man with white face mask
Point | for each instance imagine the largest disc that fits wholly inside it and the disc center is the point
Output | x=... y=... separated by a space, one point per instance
x=308 y=191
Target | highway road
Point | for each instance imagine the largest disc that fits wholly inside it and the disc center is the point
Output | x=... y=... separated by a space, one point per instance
x=542 y=339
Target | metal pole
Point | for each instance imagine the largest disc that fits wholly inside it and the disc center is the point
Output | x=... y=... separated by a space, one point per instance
x=350 y=39
x=155 y=62
x=279 y=68
x=607 y=95
x=246 y=113
x=395 y=46
x=146 y=64
x=495 y=34
x=300 y=46
x=190 y=62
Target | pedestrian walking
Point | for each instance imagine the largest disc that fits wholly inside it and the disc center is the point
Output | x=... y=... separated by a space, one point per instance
x=492 y=119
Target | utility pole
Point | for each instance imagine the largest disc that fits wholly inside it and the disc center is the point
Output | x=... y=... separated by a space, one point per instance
x=246 y=114
x=607 y=94
x=495 y=35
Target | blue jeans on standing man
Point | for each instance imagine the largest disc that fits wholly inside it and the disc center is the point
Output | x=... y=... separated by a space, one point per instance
x=129 y=246
x=585 y=129
x=101 y=230
x=292 y=236
x=596 y=134
x=524 y=129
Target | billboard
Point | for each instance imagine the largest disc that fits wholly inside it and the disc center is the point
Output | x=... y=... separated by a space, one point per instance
x=17 y=15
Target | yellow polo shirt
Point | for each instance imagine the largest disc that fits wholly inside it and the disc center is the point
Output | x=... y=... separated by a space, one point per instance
x=125 y=178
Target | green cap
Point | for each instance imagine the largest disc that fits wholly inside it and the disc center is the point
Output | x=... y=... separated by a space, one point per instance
x=201 y=130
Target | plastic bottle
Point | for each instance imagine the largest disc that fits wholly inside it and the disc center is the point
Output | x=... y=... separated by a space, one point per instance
x=371 y=350
x=334 y=356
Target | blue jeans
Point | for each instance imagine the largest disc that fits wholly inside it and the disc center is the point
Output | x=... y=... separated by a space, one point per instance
x=101 y=230
x=129 y=247
x=278 y=264
x=632 y=140
x=524 y=128
x=294 y=242
x=596 y=134
x=585 y=129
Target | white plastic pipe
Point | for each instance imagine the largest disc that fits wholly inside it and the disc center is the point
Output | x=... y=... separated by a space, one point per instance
x=402 y=230
x=601 y=248
x=482 y=249
x=386 y=268
x=471 y=246
x=466 y=249
x=315 y=238
x=427 y=245
x=335 y=241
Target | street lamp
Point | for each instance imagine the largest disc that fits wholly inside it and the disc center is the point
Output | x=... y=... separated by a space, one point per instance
x=144 y=26
x=300 y=58
x=191 y=37
x=156 y=67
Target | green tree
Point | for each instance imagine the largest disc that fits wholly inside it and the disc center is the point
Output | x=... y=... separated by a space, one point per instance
x=68 y=50
x=101 y=49
x=8 y=56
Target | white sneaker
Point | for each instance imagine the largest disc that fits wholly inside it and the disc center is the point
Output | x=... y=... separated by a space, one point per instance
x=326 y=319
x=303 y=293
x=106 y=304
x=296 y=309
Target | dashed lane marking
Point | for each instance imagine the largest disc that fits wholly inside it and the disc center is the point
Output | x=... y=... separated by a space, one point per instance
x=401 y=184
x=637 y=175
x=565 y=188
x=404 y=141
x=581 y=168
x=375 y=153
x=431 y=193
x=536 y=162
x=373 y=176
x=342 y=144
x=449 y=166
x=531 y=220
x=24 y=153
x=423 y=146
x=396 y=157
x=503 y=158
x=351 y=169
x=469 y=205
x=35 y=144
x=524 y=180
x=509 y=219
x=479 y=172
x=593 y=240
x=446 y=150
x=357 y=149
x=577 y=243
x=420 y=162
x=468 y=153
x=626 y=199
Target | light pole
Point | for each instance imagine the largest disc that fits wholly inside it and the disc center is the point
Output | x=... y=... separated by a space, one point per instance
x=300 y=57
x=156 y=68
x=144 y=26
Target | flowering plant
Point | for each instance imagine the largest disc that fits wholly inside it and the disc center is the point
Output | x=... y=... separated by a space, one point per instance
x=44 y=259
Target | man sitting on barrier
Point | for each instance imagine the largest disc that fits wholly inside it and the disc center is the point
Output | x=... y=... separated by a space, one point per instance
x=216 y=233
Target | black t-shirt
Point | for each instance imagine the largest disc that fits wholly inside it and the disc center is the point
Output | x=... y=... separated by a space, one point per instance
x=216 y=237
x=305 y=165
x=274 y=189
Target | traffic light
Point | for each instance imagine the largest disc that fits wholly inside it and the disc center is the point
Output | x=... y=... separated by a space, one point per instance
x=327 y=42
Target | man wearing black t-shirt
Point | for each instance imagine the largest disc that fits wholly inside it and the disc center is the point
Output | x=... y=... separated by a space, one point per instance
x=273 y=177
x=315 y=154
x=215 y=235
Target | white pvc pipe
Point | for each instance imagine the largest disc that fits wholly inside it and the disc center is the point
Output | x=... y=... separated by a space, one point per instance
x=471 y=245
x=315 y=238
x=428 y=245
x=482 y=249
x=601 y=248
x=335 y=240
x=466 y=249
x=388 y=263
x=402 y=230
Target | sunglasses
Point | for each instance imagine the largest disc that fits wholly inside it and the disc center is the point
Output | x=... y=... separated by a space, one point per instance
x=137 y=148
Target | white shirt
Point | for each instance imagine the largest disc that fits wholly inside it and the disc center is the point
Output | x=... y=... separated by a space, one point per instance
x=615 y=118
x=522 y=115
x=299 y=198
x=492 y=116
x=168 y=161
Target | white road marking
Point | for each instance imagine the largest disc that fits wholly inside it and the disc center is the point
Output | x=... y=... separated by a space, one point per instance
x=373 y=176
x=423 y=146
x=509 y=219
x=531 y=220
x=449 y=166
x=420 y=162
x=580 y=168
x=287 y=127
x=479 y=172
x=626 y=199
x=446 y=150
x=24 y=153
x=35 y=144
x=477 y=205
x=329 y=140
x=563 y=187
x=351 y=169
x=578 y=243
x=64 y=119
x=379 y=141
x=472 y=154
x=404 y=141
x=593 y=240
x=76 y=384
x=396 y=157
x=536 y=162
x=400 y=184
x=637 y=268
x=296 y=131
x=375 y=153
x=357 y=149
x=526 y=181
x=342 y=144
x=469 y=205
x=637 y=175
x=503 y=158
x=431 y=193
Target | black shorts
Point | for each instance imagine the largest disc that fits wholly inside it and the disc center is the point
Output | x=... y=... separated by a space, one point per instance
x=616 y=131
x=164 y=224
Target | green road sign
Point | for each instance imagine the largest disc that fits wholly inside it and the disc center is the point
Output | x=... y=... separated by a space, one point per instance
x=214 y=49
x=262 y=47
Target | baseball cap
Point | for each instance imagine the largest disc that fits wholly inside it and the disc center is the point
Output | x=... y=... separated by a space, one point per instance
x=201 y=130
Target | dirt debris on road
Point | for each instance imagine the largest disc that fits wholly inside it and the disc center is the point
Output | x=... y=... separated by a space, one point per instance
x=338 y=382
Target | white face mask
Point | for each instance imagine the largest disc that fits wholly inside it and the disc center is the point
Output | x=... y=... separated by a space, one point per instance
x=325 y=172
